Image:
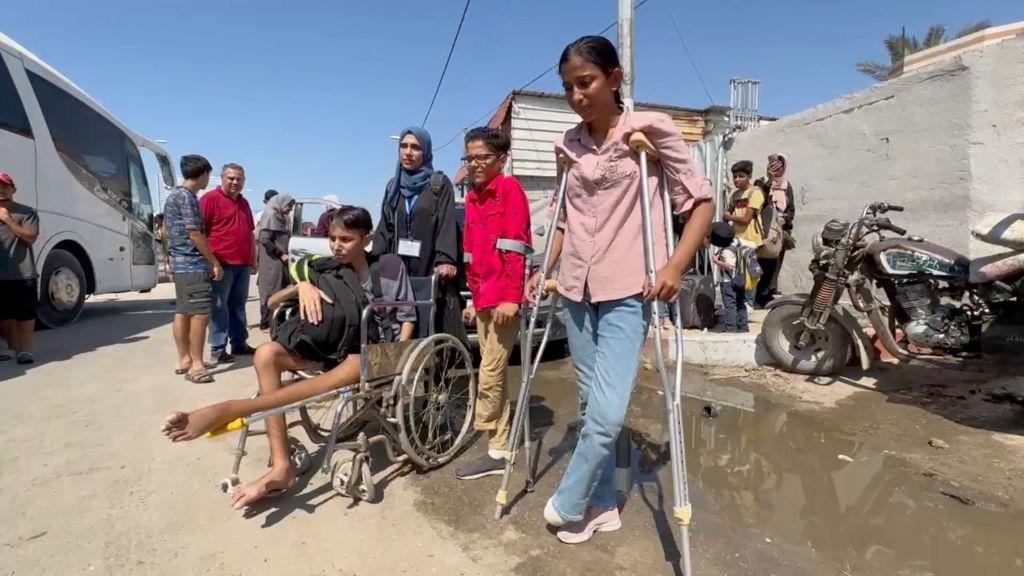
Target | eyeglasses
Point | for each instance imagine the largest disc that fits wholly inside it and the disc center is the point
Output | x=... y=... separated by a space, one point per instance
x=478 y=158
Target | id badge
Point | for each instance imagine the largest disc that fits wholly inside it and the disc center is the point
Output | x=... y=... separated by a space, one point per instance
x=409 y=248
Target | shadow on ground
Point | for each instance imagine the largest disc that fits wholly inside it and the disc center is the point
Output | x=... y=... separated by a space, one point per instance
x=983 y=394
x=96 y=328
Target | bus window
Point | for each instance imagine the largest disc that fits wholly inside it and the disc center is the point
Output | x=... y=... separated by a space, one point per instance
x=142 y=203
x=91 y=146
x=12 y=113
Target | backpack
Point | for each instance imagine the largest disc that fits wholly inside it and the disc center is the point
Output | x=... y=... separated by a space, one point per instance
x=769 y=225
x=337 y=334
x=748 y=270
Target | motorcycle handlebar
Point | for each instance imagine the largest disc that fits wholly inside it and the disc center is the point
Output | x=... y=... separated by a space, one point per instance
x=893 y=228
x=884 y=207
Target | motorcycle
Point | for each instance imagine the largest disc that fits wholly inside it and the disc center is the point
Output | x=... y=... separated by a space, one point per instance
x=933 y=304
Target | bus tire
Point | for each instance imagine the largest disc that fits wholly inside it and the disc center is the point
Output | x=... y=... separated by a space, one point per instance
x=62 y=288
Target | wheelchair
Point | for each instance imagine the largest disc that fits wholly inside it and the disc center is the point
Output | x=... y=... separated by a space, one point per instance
x=414 y=398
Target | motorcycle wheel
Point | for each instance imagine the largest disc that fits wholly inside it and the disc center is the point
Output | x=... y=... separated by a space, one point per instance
x=825 y=354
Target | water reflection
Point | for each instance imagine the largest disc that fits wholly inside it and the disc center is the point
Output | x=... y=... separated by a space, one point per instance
x=778 y=472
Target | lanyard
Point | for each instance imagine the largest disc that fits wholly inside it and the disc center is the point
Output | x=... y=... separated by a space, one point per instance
x=410 y=203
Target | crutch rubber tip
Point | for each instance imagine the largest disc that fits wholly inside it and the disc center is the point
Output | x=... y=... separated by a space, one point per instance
x=683 y=514
x=530 y=487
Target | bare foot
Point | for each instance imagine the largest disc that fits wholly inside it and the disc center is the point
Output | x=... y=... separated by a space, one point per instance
x=185 y=426
x=251 y=492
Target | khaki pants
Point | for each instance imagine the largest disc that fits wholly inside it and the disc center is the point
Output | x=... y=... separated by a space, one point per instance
x=493 y=406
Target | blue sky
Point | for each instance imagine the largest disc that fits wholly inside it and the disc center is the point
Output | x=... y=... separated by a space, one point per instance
x=305 y=94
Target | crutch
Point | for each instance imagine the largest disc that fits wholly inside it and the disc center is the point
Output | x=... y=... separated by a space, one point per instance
x=528 y=361
x=672 y=389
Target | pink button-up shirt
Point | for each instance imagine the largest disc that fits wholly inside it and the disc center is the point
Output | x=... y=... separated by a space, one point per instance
x=603 y=251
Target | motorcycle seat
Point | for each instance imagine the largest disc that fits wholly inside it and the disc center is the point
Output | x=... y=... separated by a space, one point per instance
x=997 y=267
x=1001 y=229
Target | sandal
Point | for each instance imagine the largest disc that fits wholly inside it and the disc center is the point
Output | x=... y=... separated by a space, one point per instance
x=183 y=371
x=26 y=358
x=6 y=355
x=200 y=378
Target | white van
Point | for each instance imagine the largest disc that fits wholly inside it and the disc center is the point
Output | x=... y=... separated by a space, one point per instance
x=82 y=171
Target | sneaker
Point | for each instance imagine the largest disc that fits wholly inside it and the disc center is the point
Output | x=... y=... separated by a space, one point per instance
x=245 y=350
x=223 y=357
x=551 y=516
x=26 y=358
x=593 y=521
x=483 y=466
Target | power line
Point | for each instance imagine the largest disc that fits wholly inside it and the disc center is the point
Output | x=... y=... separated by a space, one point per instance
x=528 y=84
x=446 y=62
x=693 y=63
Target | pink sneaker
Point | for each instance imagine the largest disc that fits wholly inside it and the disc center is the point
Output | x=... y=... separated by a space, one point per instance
x=594 y=520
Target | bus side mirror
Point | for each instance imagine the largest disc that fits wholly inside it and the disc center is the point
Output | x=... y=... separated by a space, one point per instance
x=166 y=172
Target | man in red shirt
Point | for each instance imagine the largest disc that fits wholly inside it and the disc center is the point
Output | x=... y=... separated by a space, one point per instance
x=496 y=241
x=229 y=229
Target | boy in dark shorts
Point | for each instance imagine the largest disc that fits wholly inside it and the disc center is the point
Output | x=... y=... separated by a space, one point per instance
x=350 y=232
x=19 y=228
x=193 y=265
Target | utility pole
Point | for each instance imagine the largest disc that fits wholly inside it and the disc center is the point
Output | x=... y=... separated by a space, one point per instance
x=623 y=445
x=626 y=51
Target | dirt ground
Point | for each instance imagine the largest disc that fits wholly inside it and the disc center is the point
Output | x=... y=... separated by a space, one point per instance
x=788 y=477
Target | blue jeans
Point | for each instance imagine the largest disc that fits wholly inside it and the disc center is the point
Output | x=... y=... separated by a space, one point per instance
x=734 y=304
x=230 y=294
x=605 y=340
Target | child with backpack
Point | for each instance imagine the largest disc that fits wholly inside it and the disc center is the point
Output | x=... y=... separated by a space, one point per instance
x=496 y=241
x=739 y=266
x=331 y=293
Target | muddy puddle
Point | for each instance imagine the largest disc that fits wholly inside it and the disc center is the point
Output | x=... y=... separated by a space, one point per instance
x=763 y=469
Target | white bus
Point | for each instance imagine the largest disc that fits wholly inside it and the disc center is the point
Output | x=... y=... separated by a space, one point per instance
x=82 y=171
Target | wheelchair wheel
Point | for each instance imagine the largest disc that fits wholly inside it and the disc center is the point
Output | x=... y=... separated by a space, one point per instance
x=317 y=419
x=436 y=397
x=299 y=456
x=363 y=487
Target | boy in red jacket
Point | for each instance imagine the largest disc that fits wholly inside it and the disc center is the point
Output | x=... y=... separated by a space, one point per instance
x=496 y=241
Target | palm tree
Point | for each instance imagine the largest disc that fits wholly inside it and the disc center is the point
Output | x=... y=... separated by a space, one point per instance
x=899 y=46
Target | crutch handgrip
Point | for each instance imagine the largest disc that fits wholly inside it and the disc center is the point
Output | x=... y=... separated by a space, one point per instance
x=550 y=285
x=564 y=161
x=639 y=143
x=683 y=514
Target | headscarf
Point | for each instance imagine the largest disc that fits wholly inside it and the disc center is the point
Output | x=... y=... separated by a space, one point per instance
x=779 y=184
x=333 y=198
x=273 y=217
x=410 y=183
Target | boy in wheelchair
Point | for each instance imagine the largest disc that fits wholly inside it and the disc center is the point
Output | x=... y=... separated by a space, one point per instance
x=358 y=282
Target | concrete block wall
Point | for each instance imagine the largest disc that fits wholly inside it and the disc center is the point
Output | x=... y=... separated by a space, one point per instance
x=946 y=141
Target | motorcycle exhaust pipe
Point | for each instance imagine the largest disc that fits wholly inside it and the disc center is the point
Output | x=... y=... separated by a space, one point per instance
x=878 y=322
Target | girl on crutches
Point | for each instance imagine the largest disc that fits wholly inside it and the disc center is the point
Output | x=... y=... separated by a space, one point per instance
x=599 y=244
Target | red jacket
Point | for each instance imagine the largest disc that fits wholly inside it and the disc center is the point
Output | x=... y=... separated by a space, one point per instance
x=229 y=227
x=499 y=212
